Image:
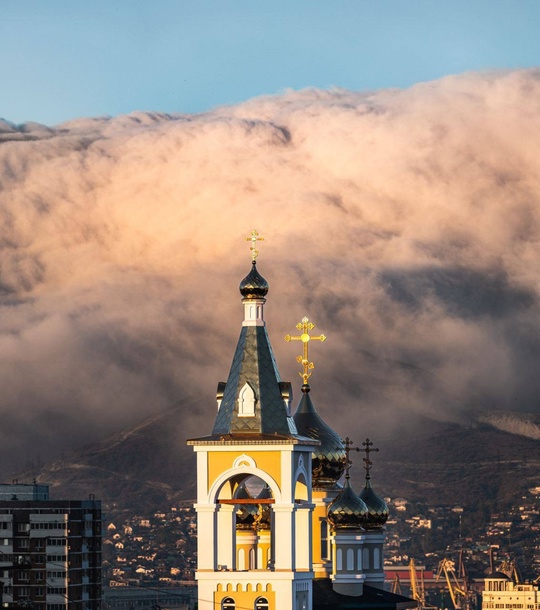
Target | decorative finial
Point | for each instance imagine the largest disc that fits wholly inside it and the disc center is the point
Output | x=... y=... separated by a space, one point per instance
x=368 y=463
x=348 y=448
x=305 y=326
x=254 y=238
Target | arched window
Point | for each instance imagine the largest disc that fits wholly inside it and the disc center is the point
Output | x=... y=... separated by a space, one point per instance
x=339 y=559
x=228 y=604
x=376 y=558
x=359 y=559
x=246 y=401
x=241 y=560
x=365 y=557
x=350 y=559
x=261 y=604
x=324 y=539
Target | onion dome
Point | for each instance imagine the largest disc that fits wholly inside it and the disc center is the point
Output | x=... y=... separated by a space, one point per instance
x=253 y=286
x=347 y=511
x=328 y=460
x=498 y=576
x=377 y=514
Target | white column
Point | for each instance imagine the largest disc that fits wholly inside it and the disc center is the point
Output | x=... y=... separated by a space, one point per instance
x=206 y=536
x=226 y=536
x=283 y=537
x=303 y=542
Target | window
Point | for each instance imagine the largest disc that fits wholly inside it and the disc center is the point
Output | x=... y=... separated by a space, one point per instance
x=376 y=558
x=324 y=539
x=365 y=557
x=228 y=604
x=24 y=543
x=261 y=604
x=56 y=541
x=23 y=527
x=24 y=575
x=350 y=559
x=246 y=401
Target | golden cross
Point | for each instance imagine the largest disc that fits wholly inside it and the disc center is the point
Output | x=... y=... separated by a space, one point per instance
x=254 y=238
x=368 y=449
x=305 y=326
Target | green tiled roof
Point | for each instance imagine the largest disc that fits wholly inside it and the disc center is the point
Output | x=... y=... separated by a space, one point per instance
x=254 y=363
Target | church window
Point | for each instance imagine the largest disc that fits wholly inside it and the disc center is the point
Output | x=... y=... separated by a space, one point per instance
x=359 y=559
x=350 y=559
x=339 y=559
x=261 y=604
x=324 y=539
x=241 y=560
x=365 y=557
x=246 y=401
x=376 y=558
x=228 y=604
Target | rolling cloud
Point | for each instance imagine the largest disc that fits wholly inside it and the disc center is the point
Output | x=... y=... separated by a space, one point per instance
x=404 y=223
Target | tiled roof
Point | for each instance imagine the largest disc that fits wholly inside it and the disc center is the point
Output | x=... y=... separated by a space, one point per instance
x=254 y=363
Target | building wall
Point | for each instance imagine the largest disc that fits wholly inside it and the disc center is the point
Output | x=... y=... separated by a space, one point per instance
x=51 y=554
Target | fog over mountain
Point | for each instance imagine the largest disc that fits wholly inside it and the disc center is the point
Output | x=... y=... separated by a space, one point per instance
x=404 y=223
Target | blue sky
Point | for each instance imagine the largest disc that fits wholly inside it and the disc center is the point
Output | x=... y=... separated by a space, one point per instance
x=62 y=59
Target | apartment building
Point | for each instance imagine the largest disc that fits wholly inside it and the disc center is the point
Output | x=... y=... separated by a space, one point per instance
x=50 y=550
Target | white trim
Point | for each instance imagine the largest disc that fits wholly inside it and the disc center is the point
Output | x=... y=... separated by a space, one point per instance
x=228 y=474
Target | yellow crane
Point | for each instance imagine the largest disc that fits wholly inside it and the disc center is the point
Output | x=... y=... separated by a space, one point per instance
x=457 y=594
x=418 y=589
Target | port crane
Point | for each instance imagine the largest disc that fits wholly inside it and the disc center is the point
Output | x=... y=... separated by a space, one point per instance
x=458 y=592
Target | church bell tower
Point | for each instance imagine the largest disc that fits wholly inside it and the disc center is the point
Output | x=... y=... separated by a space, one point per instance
x=254 y=480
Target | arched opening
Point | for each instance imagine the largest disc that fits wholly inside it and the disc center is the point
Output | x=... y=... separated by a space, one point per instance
x=253 y=523
x=228 y=604
x=350 y=560
x=261 y=604
x=301 y=491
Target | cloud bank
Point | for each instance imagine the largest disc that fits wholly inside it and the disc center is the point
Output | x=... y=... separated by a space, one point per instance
x=404 y=223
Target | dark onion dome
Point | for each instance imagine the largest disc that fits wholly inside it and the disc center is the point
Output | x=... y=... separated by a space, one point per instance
x=253 y=286
x=328 y=460
x=347 y=511
x=377 y=508
x=498 y=576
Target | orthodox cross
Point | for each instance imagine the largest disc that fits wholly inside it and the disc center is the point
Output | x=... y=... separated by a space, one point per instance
x=254 y=238
x=348 y=448
x=305 y=326
x=368 y=449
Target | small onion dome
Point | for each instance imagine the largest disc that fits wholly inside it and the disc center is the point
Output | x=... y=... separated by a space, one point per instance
x=347 y=511
x=253 y=286
x=377 y=508
x=498 y=576
x=328 y=460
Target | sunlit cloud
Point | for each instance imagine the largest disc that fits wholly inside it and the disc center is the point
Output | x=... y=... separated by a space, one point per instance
x=405 y=223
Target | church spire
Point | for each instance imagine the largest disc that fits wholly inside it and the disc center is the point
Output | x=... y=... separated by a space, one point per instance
x=254 y=400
